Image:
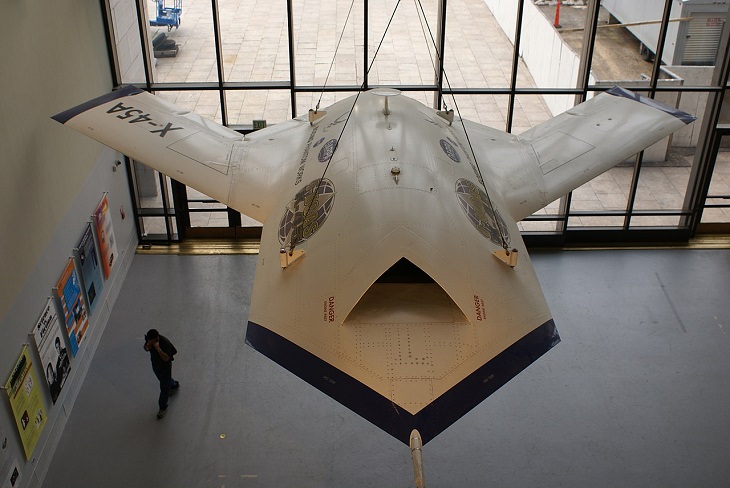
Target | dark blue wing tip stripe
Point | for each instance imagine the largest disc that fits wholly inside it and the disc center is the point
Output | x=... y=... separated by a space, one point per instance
x=617 y=91
x=431 y=420
x=67 y=115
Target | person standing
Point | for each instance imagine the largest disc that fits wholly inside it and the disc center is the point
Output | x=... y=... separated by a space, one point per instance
x=162 y=352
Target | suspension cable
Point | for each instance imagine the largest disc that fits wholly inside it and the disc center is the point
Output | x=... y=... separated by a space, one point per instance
x=466 y=133
x=421 y=20
x=334 y=56
x=293 y=243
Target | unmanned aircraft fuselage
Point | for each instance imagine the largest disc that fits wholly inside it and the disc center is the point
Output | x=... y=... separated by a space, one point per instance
x=391 y=275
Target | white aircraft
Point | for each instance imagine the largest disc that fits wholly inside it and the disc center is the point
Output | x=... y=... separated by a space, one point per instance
x=391 y=275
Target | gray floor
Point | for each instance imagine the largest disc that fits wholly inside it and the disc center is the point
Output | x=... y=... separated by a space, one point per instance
x=637 y=394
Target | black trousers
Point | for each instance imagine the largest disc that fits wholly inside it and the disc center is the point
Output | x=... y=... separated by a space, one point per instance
x=164 y=374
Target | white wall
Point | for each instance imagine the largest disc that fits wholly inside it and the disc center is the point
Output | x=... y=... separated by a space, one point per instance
x=126 y=37
x=692 y=102
x=54 y=56
x=551 y=62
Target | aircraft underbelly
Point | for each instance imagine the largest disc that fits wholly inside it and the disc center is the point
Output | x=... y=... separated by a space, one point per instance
x=410 y=344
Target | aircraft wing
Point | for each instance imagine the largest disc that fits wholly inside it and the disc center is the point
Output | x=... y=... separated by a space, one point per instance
x=557 y=156
x=197 y=152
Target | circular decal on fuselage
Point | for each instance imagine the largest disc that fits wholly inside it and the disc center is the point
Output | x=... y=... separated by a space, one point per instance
x=306 y=212
x=482 y=215
x=327 y=151
x=450 y=150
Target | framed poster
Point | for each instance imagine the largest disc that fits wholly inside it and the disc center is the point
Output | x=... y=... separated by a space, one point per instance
x=26 y=402
x=68 y=290
x=105 y=232
x=51 y=347
x=90 y=268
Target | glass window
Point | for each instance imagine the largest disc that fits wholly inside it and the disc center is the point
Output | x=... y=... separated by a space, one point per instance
x=310 y=100
x=717 y=203
x=489 y=110
x=254 y=38
x=607 y=193
x=626 y=42
x=594 y=221
x=204 y=211
x=322 y=29
x=206 y=103
x=551 y=42
x=130 y=57
x=532 y=110
x=479 y=48
x=662 y=186
x=544 y=220
x=156 y=216
x=245 y=106
x=330 y=47
x=405 y=52
x=156 y=228
x=186 y=53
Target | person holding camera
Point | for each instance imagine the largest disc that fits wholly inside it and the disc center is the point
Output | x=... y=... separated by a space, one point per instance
x=162 y=353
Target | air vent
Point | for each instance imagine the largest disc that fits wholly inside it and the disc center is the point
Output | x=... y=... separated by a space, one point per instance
x=405 y=294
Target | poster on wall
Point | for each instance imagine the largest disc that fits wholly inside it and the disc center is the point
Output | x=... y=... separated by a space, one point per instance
x=72 y=303
x=11 y=474
x=9 y=467
x=90 y=268
x=105 y=232
x=26 y=402
x=51 y=349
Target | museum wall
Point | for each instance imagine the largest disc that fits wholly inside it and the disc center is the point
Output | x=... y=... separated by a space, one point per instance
x=54 y=56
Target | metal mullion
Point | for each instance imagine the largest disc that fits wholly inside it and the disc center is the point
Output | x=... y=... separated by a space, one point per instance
x=143 y=41
x=703 y=176
x=711 y=134
x=441 y=40
x=507 y=91
x=564 y=210
x=219 y=61
x=584 y=73
x=633 y=188
x=544 y=218
x=110 y=45
x=622 y=213
x=292 y=67
x=660 y=47
x=589 y=44
x=165 y=204
x=134 y=196
x=365 y=82
x=515 y=65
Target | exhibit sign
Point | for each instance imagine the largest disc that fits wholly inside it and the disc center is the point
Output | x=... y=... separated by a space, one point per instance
x=26 y=402
x=105 y=231
x=51 y=349
x=89 y=268
x=72 y=303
